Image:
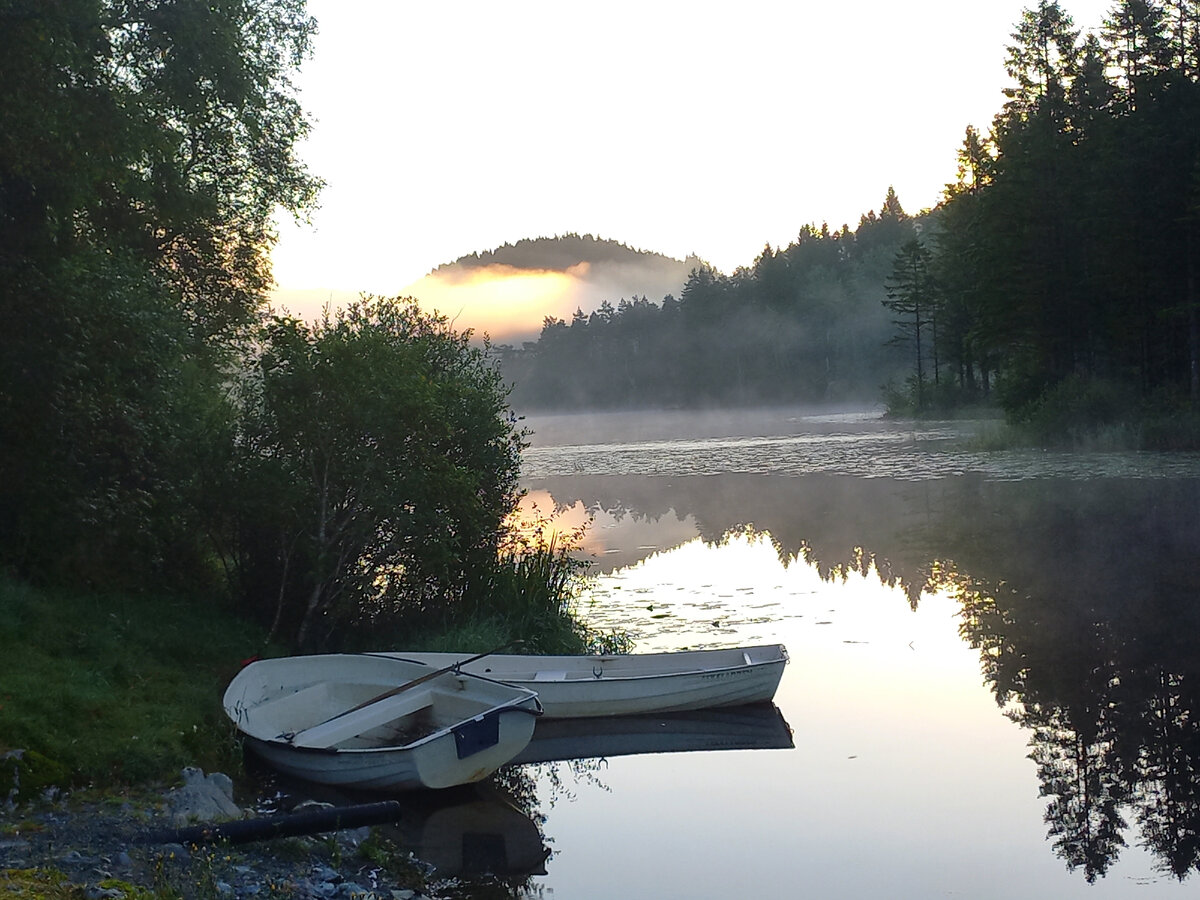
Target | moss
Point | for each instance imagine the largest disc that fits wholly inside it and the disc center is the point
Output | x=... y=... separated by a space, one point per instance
x=128 y=891
x=51 y=884
x=24 y=774
x=25 y=826
x=41 y=883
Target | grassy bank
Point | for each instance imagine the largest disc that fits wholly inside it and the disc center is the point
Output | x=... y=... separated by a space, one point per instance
x=115 y=689
x=126 y=689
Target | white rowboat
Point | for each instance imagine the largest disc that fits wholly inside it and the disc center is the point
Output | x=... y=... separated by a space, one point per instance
x=349 y=720
x=634 y=683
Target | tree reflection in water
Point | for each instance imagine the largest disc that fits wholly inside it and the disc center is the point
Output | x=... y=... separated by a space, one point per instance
x=1082 y=596
x=1109 y=697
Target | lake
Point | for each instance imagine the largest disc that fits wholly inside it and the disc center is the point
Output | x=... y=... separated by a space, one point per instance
x=993 y=687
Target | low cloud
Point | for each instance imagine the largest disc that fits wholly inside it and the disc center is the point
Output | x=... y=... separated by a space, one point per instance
x=510 y=304
x=510 y=301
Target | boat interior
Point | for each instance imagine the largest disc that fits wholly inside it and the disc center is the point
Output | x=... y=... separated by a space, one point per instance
x=324 y=715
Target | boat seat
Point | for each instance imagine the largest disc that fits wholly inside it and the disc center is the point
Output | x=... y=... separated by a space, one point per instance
x=348 y=725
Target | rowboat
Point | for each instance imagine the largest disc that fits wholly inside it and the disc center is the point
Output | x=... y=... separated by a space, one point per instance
x=369 y=721
x=633 y=683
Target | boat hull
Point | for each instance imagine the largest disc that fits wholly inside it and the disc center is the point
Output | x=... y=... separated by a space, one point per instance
x=336 y=719
x=632 y=684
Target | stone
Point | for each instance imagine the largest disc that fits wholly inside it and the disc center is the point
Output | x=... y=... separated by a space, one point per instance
x=326 y=873
x=203 y=798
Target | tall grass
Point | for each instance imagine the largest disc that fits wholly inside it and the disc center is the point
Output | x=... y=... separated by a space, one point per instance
x=527 y=599
x=117 y=689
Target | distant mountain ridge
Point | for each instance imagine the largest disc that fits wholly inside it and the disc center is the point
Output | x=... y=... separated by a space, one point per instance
x=557 y=254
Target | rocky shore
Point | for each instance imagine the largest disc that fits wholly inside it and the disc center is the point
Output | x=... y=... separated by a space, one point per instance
x=106 y=847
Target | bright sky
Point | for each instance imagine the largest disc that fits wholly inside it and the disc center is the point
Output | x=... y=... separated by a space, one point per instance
x=448 y=128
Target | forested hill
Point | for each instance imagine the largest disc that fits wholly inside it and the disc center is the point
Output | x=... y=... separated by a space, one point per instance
x=803 y=323
x=568 y=250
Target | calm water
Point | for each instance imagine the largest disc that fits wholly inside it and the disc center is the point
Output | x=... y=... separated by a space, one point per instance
x=993 y=687
x=993 y=690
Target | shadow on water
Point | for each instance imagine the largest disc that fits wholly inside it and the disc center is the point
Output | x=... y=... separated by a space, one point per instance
x=1082 y=597
x=486 y=836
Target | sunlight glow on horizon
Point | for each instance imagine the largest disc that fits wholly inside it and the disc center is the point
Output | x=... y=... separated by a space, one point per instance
x=662 y=126
x=501 y=300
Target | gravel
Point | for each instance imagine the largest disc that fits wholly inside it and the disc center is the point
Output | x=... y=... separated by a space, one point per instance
x=101 y=842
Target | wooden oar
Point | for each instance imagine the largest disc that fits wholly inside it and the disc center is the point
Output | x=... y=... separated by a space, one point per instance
x=429 y=676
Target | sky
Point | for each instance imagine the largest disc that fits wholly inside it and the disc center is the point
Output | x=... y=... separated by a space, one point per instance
x=442 y=129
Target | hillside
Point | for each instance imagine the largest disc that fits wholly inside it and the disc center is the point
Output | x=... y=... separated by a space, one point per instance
x=566 y=251
x=508 y=292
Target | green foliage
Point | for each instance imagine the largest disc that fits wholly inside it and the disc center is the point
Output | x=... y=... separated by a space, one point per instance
x=379 y=463
x=913 y=296
x=525 y=599
x=24 y=774
x=1083 y=413
x=167 y=129
x=109 y=406
x=144 y=149
x=1104 y=414
x=1173 y=427
x=117 y=688
x=158 y=439
x=50 y=884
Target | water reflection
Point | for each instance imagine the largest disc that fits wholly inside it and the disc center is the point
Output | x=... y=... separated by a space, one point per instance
x=1109 y=696
x=490 y=829
x=492 y=834
x=759 y=726
x=1105 y=690
x=1101 y=541
x=1075 y=580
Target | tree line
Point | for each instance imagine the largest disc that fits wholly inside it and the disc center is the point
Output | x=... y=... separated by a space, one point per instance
x=159 y=429
x=804 y=322
x=1057 y=278
x=1063 y=259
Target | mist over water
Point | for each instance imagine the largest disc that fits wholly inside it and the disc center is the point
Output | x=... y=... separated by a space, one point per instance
x=993 y=690
x=856 y=443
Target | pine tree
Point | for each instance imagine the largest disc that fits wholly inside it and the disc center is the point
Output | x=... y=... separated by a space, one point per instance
x=911 y=295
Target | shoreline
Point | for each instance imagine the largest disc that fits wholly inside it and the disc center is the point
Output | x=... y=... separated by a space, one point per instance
x=96 y=847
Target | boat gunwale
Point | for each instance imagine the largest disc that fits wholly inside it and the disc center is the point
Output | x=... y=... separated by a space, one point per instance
x=783 y=659
x=520 y=704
